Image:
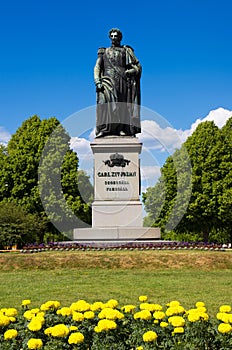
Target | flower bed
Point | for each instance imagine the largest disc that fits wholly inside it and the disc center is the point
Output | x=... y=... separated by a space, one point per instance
x=136 y=245
x=100 y=326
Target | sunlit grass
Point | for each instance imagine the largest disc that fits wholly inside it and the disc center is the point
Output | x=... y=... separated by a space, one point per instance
x=45 y=277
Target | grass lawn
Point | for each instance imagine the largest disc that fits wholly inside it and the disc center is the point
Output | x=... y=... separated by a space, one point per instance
x=187 y=276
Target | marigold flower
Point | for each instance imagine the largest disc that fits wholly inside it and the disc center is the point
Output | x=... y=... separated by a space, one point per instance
x=175 y=310
x=143 y=315
x=176 y=321
x=128 y=308
x=26 y=302
x=10 y=312
x=73 y=328
x=150 y=336
x=36 y=324
x=224 y=328
x=105 y=325
x=110 y=314
x=200 y=304
x=178 y=330
x=225 y=308
x=64 y=311
x=98 y=305
x=59 y=331
x=139 y=348
x=159 y=315
x=163 y=324
x=4 y=320
x=34 y=343
x=112 y=303
x=80 y=305
x=77 y=316
x=10 y=334
x=149 y=306
x=143 y=298
x=76 y=338
x=89 y=315
x=50 y=305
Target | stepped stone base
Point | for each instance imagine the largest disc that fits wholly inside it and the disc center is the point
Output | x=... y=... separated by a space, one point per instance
x=116 y=233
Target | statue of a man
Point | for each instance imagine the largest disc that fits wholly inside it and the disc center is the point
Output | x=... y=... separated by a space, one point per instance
x=117 y=78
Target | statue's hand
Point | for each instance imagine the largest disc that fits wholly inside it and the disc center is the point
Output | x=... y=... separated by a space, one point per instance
x=99 y=87
x=129 y=72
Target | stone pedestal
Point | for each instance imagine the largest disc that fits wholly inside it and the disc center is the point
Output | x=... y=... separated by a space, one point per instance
x=117 y=209
x=116 y=182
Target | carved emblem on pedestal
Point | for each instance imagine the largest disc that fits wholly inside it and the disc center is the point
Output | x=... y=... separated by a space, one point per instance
x=116 y=160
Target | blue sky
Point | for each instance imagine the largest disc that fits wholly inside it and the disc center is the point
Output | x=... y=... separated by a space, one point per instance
x=49 y=48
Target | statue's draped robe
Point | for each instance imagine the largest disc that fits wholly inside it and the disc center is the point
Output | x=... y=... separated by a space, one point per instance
x=118 y=105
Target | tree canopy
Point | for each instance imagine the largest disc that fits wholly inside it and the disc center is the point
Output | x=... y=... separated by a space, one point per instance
x=207 y=214
x=43 y=147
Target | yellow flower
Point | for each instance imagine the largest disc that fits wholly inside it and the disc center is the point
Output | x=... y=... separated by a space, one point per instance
x=77 y=316
x=128 y=308
x=149 y=336
x=58 y=331
x=159 y=315
x=178 y=330
x=26 y=302
x=193 y=316
x=10 y=312
x=50 y=305
x=4 y=320
x=224 y=317
x=80 y=306
x=143 y=315
x=36 y=324
x=173 y=303
x=64 y=311
x=175 y=310
x=73 y=328
x=34 y=343
x=105 y=325
x=28 y=315
x=224 y=328
x=139 y=348
x=76 y=338
x=225 y=308
x=10 y=334
x=176 y=321
x=112 y=303
x=163 y=324
x=110 y=314
x=149 y=306
x=89 y=315
x=143 y=298
x=98 y=305
x=200 y=304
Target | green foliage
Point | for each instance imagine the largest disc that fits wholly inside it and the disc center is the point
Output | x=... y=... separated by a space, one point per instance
x=16 y=226
x=19 y=168
x=201 y=207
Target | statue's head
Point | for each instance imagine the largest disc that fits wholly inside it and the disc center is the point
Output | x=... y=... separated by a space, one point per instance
x=115 y=34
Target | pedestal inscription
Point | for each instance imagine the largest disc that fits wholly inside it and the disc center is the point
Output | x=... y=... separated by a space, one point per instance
x=116 y=182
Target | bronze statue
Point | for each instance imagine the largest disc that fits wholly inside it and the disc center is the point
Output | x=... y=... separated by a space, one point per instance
x=117 y=75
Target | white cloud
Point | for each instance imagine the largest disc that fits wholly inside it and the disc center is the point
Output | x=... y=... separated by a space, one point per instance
x=4 y=135
x=219 y=116
x=81 y=146
x=168 y=138
x=157 y=138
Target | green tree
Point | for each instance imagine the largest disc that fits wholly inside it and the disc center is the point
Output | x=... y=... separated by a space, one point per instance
x=58 y=184
x=208 y=192
x=21 y=162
